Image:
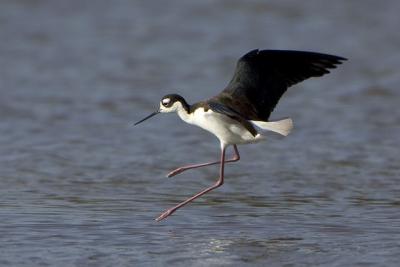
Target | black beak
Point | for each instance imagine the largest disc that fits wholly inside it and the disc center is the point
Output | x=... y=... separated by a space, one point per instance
x=148 y=117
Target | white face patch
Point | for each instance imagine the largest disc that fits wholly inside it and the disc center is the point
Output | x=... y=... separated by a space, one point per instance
x=166 y=101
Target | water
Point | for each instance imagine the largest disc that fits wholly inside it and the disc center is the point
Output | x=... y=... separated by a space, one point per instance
x=79 y=186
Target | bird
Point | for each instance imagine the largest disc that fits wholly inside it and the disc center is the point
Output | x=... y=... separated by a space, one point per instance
x=240 y=113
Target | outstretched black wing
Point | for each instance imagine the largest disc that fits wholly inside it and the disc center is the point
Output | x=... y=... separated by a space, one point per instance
x=262 y=76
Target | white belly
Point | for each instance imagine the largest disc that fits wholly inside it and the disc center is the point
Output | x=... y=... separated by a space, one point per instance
x=227 y=130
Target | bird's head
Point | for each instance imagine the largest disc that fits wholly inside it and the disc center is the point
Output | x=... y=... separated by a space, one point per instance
x=169 y=103
x=172 y=103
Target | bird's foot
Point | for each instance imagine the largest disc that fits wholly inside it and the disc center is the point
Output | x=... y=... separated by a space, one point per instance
x=175 y=172
x=164 y=215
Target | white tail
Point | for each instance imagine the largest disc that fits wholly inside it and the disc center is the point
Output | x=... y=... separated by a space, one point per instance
x=282 y=127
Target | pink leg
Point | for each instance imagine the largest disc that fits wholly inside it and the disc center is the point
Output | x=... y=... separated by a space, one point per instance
x=217 y=184
x=236 y=157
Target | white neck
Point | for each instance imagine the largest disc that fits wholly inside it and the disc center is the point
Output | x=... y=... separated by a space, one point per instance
x=182 y=113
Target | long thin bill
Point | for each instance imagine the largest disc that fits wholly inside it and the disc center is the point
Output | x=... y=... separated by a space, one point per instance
x=148 y=117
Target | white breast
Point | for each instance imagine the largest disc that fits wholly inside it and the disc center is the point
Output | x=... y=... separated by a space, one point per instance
x=227 y=130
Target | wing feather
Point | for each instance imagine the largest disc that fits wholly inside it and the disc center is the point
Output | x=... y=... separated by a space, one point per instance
x=220 y=108
x=262 y=77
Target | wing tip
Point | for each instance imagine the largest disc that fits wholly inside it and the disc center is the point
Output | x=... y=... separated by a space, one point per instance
x=335 y=59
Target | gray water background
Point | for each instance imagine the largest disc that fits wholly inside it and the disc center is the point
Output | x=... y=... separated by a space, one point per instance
x=80 y=186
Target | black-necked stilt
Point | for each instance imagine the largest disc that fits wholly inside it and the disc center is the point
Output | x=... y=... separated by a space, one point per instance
x=239 y=114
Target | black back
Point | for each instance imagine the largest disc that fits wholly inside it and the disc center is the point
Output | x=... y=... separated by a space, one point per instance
x=262 y=76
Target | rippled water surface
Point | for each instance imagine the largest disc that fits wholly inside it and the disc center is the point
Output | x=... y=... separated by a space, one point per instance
x=80 y=186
